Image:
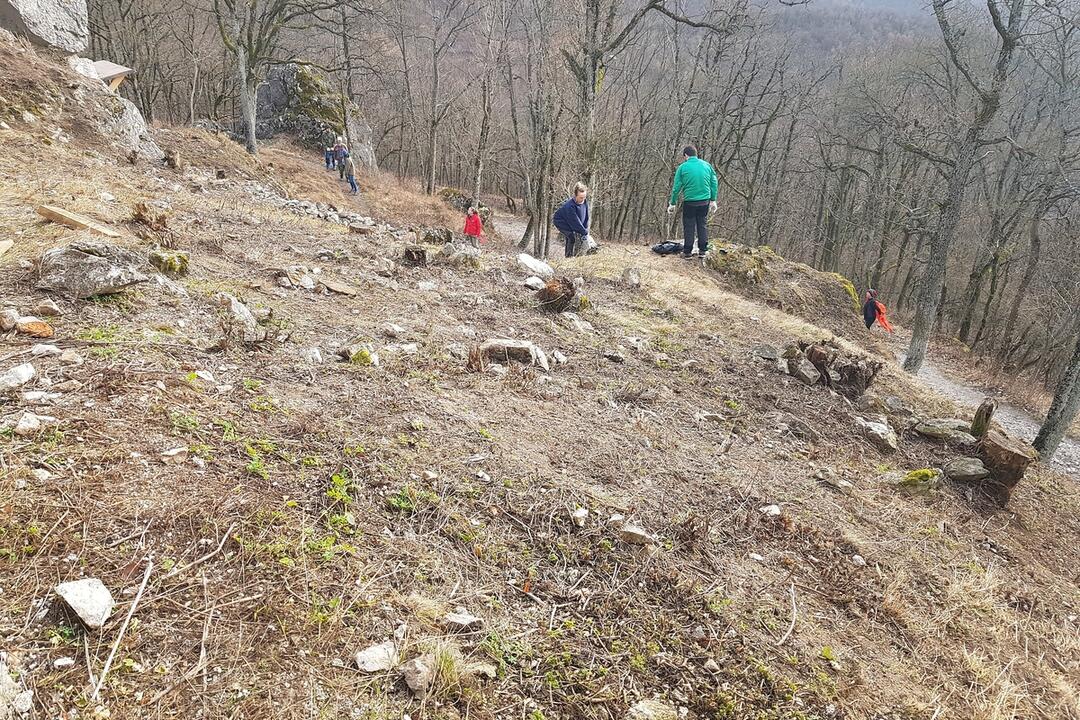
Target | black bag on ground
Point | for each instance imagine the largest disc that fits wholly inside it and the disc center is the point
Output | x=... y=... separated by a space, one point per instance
x=667 y=248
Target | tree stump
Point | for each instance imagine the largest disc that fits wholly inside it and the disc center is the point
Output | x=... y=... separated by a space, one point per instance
x=1007 y=459
x=557 y=294
x=416 y=256
x=981 y=424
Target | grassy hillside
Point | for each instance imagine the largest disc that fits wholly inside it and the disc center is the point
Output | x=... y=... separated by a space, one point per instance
x=320 y=508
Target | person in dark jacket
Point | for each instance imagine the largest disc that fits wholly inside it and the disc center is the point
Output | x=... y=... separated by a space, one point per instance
x=572 y=220
x=874 y=312
x=696 y=181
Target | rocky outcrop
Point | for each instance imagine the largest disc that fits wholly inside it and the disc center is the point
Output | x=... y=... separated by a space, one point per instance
x=61 y=24
x=86 y=268
x=298 y=101
x=118 y=118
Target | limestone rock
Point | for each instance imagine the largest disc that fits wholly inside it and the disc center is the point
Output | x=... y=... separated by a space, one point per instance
x=457 y=255
x=127 y=127
x=920 y=482
x=535 y=267
x=46 y=308
x=17 y=376
x=419 y=673
x=652 y=710
x=635 y=535
x=31 y=424
x=61 y=24
x=311 y=355
x=765 y=352
x=89 y=599
x=804 y=370
x=462 y=621
x=173 y=263
x=966 y=469
x=631 y=277
x=880 y=434
x=377 y=658
x=43 y=350
x=243 y=320
x=951 y=430
x=8 y=318
x=14 y=701
x=534 y=283
x=87 y=268
x=522 y=351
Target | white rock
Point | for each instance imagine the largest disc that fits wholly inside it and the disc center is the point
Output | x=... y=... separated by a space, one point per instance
x=858 y=560
x=430 y=475
x=756 y=558
x=770 y=510
x=635 y=535
x=17 y=377
x=460 y=620
x=8 y=318
x=712 y=666
x=44 y=350
x=534 y=283
x=175 y=456
x=631 y=277
x=377 y=658
x=419 y=673
x=558 y=357
x=537 y=267
x=311 y=355
x=580 y=516
x=41 y=475
x=89 y=599
x=46 y=308
x=392 y=330
x=880 y=434
x=31 y=424
x=71 y=357
x=63 y=662
x=652 y=710
x=427 y=286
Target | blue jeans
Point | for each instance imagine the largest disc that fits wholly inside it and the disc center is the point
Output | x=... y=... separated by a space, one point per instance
x=352 y=184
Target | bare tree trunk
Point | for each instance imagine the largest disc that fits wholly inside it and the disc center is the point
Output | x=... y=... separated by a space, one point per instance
x=1062 y=411
x=246 y=89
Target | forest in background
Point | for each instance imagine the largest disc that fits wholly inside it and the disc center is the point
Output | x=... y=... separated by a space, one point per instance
x=927 y=149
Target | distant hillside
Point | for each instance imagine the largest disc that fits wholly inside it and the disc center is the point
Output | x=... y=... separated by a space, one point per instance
x=826 y=26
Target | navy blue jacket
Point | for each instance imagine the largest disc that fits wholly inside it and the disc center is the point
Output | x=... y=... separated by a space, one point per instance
x=568 y=218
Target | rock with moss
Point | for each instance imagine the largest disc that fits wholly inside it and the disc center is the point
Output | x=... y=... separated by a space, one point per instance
x=173 y=263
x=920 y=482
x=299 y=101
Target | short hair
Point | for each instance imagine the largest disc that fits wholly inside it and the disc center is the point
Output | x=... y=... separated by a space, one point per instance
x=689 y=151
x=580 y=187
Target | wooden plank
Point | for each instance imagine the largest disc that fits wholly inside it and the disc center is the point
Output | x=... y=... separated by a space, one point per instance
x=74 y=220
x=6 y=245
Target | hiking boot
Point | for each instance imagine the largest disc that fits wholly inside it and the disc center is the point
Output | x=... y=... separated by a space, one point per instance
x=687 y=256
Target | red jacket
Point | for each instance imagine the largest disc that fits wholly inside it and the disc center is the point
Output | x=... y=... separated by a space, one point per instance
x=473 y=226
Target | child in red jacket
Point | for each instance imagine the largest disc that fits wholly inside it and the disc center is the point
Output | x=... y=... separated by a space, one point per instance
x=474 y=228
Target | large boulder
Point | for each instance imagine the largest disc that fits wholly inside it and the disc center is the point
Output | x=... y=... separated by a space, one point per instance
x=299 y=101
x=86 y=268
x=127 y=127
x=61 y=24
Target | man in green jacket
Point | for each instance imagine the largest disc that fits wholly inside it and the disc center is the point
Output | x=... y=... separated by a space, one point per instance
x=696 y=180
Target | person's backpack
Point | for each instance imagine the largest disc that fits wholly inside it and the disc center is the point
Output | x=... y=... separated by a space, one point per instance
x=667 y=248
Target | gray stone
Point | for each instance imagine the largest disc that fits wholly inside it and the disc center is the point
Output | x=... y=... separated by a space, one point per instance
x=43 y=350
x=377 y=658
x=631 y=277
x=462 y=621
x=17 y=376
x=536 y=267
x=419 y=673
x=951 y=430
x=635 y=535
x=45 y=308
x=522 y=351
x=8 y=318
x=457 y=255
x=86 y=268
x=803 y=370
x=173 y=263
x=965 y=469
x=534 y=283
x=31 y=424
x=765 y=352
x=311 y=355
x=242 y=318
x=652 y=710
x=89 y=599
x=880 y=434
x=127 y=128
x=61 y=24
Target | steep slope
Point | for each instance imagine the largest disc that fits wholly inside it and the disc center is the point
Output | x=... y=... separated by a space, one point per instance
x=317 y=508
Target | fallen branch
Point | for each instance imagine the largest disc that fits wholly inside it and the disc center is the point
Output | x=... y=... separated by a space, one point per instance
x=794 y=614
x=123 y=629
x=203 y=559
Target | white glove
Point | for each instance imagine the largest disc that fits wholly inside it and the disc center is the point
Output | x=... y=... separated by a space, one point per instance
x=712 y=207
x=670 y=209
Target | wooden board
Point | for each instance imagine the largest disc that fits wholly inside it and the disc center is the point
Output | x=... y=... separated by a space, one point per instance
x=6 y=245
x=74 y=220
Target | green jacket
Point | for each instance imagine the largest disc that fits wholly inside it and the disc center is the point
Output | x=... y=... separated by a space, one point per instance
x=696 y=179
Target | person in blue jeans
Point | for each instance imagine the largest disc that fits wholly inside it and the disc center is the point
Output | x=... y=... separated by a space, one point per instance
x=572 y=220
x=696 y=180
x=350 y=173
x=328 y=158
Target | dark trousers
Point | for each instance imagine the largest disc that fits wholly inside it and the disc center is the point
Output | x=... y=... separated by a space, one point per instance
x=694 y=222
x=341 y=169
x=571 y=240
